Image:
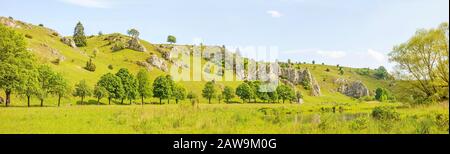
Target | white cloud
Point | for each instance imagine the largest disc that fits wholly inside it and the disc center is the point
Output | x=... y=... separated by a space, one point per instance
x=90 y=3
x=378 y=56
x=332 y=54
x=274 y=14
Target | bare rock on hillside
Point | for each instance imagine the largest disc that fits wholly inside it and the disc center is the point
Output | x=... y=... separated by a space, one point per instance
x=144 y=64
x=315 y=88
x=134 y=44
x=68 y=41
x=158 y=63
x=8 y=22
x=355 y=89
x=301 y=77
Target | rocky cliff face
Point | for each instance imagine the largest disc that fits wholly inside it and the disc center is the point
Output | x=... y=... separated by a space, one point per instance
x=158 y=63
x=301 y=77
x=68 y=41
x=355 y=89
x=134 y=44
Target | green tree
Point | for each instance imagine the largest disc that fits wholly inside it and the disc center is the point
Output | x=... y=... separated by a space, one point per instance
x=171 y=87
x=171 y=39
x=244 y=91
x=191 y=95
x=31 y=88
x=381 y=94
x=46 y=78
x=90 y=66
x=82 y=90
x=424 y=59
x=99 y=93
x=129 y=84
x=273 y=96
x=381 y=73
x=60 y=87
x=161 y=88
x=113 y=85
x=228 y=93
x=209 y=91
x=134 y=33
x=285 y=92
x=16 y=63
x=144 y=87
x=179 y=93
x=78 y=35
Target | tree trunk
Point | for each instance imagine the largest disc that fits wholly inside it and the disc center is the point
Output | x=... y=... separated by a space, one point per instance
x=28 y=100
x=168 y=100
x=98 y=101
x=160 y=101
x=109 y=100
x=121 y=102
x=176 y=101
x=42 y=102
x=209 y=100
x=8 y=97
x=82 y=98
x=59 y=101
x=142 y=99
x=130 y=101
x=283 y=101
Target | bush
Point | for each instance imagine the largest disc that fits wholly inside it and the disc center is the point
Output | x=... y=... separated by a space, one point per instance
x=41 y=25
x=28 y=36
x=118 y=46
x=55 y=34
x=110 y=67
x=56 y=61
x=385 y=113
x=90 y=66
x=360 y=123
x=327 y=70
x=441 y=121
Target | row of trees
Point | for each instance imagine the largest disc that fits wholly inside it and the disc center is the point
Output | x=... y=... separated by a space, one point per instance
x=251 y=90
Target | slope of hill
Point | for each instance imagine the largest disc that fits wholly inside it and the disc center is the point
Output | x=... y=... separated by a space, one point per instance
x=46 y=44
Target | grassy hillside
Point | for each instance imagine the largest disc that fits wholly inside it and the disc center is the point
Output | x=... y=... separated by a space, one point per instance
x=46 y=45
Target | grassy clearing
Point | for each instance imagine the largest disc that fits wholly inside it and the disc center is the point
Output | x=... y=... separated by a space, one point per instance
x=220 y=118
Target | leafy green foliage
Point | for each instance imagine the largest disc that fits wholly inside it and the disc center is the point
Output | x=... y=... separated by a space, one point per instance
x=113 y=85
x=244 y=91
x=144 y=86
x=228 y=93
x=129 y=84
x=179 y=92
x=16 y=63
x=82 y=90
x=209 y=91
x=90 y=66
x=381 y=73
x=100 y=92
x=79 y=37
x=385 y=113
x=162 y=88
x=285 y=92
x=171 y=39
x=381 y=94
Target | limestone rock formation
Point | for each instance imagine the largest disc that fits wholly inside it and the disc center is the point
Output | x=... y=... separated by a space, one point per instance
x=355 y=89
x=302 y=77
x=158 y=63
x=134 y=44
x=68 y=41
x=144 y=64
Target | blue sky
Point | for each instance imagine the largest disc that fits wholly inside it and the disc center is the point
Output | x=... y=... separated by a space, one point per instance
x=348 y=32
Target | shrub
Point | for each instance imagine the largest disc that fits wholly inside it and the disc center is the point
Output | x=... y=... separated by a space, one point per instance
x=56 y=61
x=118 y=46
x=385 y=113
x=55 y=34
x=360 y=123
x=90 y=66
x=381 y=94
x=28 y=36
x=110 y=67
x=441 y=121
x=327 y=70
x=306 y=84
x=41 y=25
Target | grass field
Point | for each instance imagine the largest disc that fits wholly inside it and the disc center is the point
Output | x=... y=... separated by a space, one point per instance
x=222 y=118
